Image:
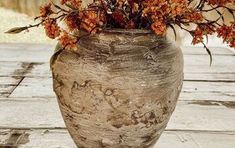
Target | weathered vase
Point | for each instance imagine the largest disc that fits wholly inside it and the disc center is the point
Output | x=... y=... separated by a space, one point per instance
x=119 y=89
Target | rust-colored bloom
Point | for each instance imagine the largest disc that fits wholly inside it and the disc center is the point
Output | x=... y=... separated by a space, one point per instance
x=232 y=43
x=227 y=33
x=45 y=10
x=178 y=7
x=67 y=41
x=73 y=21
x=51 y=28
x=91 y=20
x=159 y=27
x=197 y=36
x=119 y=18
x=194 y=16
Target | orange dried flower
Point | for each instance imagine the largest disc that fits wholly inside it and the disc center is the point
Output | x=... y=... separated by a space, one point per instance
x=73 y=21
x=119 y=18
x=51 y=28
x=227 y=33
x=178 y=7
x=159 y=27
x=67 y=41
x=194 y=16
x=62 y=2
x=45 y=10
x=197 y=36
x=91 y=20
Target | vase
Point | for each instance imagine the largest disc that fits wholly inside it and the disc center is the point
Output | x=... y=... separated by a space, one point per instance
x=119 y=88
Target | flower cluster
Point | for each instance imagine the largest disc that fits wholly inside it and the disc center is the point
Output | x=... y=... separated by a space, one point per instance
x=155 y=15
x=227 y=33
x=51 y=28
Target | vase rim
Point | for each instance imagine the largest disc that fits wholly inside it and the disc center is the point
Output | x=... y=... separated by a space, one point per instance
x=127 y=31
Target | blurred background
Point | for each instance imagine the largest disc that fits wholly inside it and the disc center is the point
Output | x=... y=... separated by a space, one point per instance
x=16 y=13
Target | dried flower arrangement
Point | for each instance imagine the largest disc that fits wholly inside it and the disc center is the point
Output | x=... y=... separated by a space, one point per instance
x=155 y=15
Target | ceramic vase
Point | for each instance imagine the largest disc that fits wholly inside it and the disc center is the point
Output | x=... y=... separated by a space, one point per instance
x=118 y=89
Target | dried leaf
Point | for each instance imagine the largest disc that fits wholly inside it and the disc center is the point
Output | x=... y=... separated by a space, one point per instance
x=16 y=30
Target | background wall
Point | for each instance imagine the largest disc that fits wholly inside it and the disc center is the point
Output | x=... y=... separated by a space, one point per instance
x=25 y=6
x=29 y=7
x=10 y=19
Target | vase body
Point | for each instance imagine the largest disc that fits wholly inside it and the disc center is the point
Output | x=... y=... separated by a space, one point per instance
x=119 y=89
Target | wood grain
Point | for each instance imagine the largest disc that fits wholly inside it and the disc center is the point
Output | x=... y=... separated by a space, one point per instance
x=25 y=53
x=51 y=138
x=8 y=84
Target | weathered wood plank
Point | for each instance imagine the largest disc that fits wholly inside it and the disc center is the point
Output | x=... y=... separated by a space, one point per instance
x=10 y=80
x=13 y=138
x=186 y=139
x=41 y=87
x=192 y=50
x=25 y=52
x=5 y=91
x=7 y=85
x=219 y=77
x=34 y=88
x=180 y=139
x=9 y=69
x=204 y=60
x=219 y=91
x=26 y=114
x=189 y=115
x=218 y=96
x=22 y=46
x=203 y=115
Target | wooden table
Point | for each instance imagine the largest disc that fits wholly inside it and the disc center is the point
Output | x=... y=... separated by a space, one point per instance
x=30 y=117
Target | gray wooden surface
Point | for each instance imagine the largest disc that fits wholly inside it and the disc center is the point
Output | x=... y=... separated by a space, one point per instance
x=30 y=117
